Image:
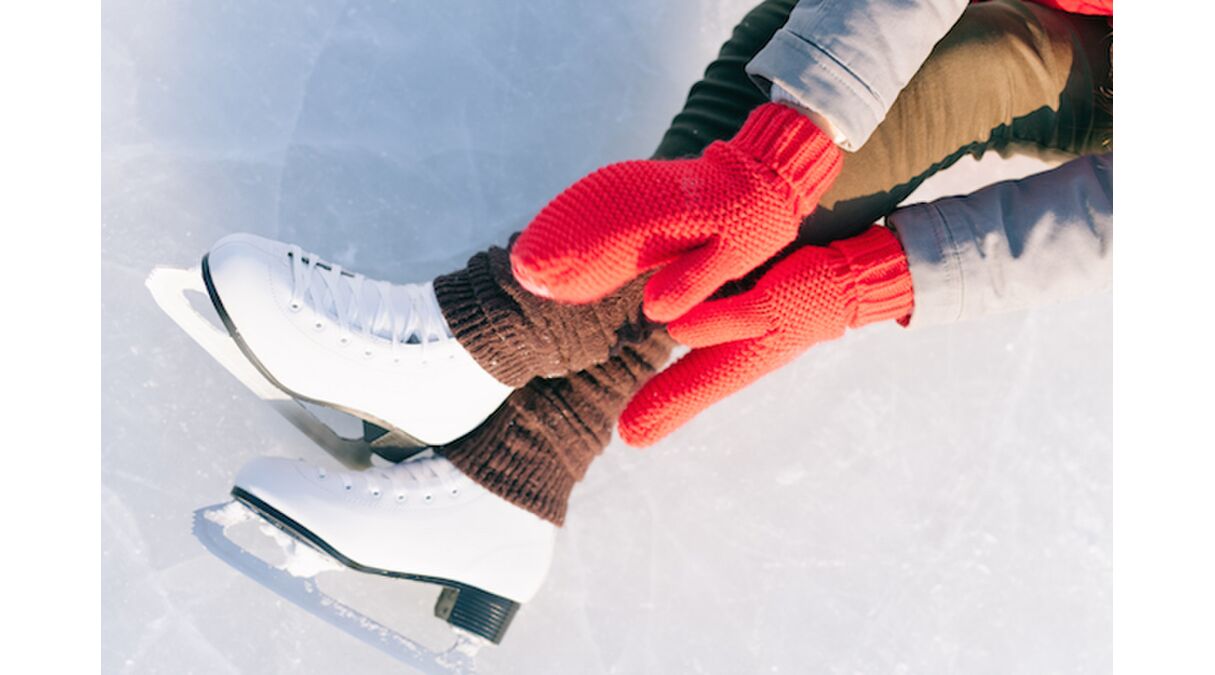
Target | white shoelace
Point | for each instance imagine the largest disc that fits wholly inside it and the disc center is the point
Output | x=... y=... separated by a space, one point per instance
x=400 y=313
x=404 y=479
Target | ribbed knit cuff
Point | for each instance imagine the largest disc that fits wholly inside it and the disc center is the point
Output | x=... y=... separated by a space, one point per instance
x=879 y=269
x=486 y=321
x=510 y=460
x=786 y=141
x=538 y=445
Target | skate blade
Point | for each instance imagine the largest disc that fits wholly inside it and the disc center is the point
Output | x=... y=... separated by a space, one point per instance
x=170 y=288
x=290 y=582
x=465 y=607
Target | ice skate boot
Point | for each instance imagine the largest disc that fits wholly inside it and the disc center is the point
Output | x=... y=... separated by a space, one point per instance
x=379 y=351
x=421 y=520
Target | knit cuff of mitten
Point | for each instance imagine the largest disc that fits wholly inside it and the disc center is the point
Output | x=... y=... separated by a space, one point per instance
x=880 y=275
x=787 y=142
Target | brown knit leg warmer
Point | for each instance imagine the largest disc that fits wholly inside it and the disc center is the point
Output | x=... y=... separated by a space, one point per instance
x=516 y=336
x=534 y=449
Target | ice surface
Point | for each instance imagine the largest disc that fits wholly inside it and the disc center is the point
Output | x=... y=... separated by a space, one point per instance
x=913 y=502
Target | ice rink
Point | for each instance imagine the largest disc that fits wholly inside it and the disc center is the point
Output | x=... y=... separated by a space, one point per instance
x=933 y=501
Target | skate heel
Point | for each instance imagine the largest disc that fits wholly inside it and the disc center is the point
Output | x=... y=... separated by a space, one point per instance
x=393 y=445
x=476 y=611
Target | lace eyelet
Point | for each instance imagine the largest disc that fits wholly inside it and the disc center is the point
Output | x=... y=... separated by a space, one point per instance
x=367 y=354
x=343 y=340
x=295 y=306
x=375 y=493
x=428 y=498
x=349 y=488
x=400 y=498
x=318 y=326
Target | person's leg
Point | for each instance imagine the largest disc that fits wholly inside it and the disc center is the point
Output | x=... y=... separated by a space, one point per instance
x=1024 y=74
x=1008 y=74
x=540 y=442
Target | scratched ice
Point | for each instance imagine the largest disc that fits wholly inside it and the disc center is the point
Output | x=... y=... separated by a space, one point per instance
x=921 y=502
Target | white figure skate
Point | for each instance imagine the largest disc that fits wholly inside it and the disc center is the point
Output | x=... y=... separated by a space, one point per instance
x=421 y=520
x=299 y=330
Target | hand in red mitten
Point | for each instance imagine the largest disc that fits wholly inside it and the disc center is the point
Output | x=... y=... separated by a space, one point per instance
x=705 y=221
x=809 y=297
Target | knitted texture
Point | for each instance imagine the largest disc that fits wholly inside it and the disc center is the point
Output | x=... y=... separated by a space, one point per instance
x=515 y=335
x=704 y=221
x=534 y=449
x=811 y=296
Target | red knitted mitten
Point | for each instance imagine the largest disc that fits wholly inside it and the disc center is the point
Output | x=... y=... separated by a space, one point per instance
x=809 y=297
x=706 y=221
